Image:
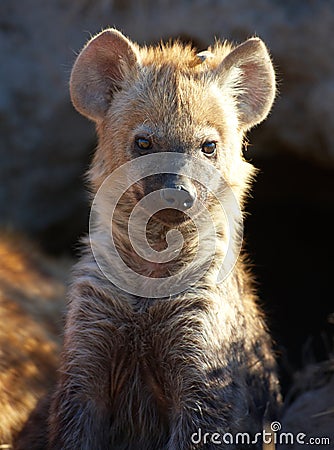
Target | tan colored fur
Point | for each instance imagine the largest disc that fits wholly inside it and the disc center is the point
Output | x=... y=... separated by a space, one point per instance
x=31 y=301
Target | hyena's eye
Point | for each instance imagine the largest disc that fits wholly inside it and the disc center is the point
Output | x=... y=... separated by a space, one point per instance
x=143 y=144
x=209 y=148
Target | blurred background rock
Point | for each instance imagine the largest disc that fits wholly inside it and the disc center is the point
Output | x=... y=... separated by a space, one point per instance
x=45 y=146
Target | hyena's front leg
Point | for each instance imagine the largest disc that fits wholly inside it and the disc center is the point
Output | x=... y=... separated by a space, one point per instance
x=208 y=411
x=198 y=414
x=78 y=423
x=80 y=412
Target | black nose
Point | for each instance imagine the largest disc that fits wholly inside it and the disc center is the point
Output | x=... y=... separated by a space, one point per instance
x=177 y=197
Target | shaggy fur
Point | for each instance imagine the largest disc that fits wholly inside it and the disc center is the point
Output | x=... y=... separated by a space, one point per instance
x=146 y=373
x=32 y=290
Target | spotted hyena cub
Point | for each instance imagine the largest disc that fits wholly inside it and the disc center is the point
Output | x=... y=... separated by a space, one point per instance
x=161 y=369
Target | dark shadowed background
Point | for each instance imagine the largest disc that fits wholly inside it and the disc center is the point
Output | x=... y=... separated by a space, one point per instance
x=45 y=146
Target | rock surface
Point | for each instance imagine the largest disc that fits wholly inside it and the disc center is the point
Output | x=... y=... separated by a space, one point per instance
x=45 y=144
x=311 y=411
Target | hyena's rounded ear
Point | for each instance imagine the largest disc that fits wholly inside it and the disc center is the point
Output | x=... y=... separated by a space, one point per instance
x=249 y=73
x=99 y=70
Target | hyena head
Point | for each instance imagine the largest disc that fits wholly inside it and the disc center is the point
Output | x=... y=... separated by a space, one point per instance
x=187 y=110
x=170 y=99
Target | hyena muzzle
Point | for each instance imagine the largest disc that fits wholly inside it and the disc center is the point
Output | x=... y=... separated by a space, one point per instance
x=155 y=368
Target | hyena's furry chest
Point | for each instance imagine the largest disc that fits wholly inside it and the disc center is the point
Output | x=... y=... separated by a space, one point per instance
x=137 y=379
x=165 y=358
x=147 y=348
x=148 y=352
